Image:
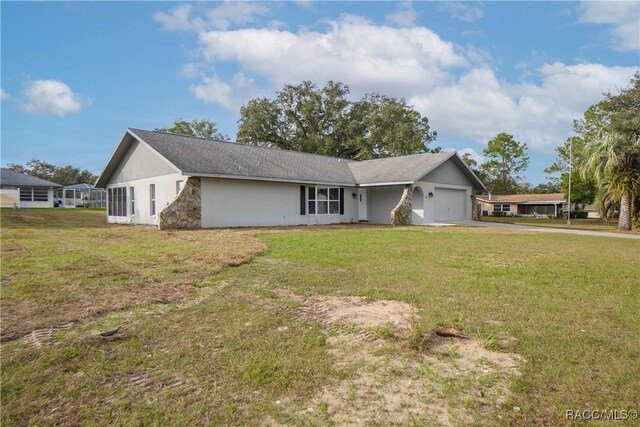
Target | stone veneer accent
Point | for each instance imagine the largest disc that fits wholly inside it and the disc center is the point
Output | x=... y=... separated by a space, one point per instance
x=401 y=214
x=186 y=209
x=476 y=210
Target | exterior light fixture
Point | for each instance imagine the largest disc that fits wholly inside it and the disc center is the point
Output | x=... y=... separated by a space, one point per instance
x=430 y=194
x=354 y=195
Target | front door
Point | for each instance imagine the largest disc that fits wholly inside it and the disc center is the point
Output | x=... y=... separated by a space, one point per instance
x=362 y=204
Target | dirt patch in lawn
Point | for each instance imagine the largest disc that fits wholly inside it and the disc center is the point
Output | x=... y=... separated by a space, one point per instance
x=385 y=381
x=357 y=311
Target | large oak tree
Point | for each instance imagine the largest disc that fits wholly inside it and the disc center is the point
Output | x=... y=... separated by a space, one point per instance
x=307 y=118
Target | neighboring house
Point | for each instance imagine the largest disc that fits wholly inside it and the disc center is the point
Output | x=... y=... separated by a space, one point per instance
x=178 y=181
x=523 y=204
x=592 y=211
x=25 y=191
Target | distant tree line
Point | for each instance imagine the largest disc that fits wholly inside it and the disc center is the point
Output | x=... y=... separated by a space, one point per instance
x=63 y=175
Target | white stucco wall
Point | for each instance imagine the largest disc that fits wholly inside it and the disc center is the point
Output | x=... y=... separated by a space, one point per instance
x=382 y=200
x=33 y=204
x=165 y=193
x=242 y=203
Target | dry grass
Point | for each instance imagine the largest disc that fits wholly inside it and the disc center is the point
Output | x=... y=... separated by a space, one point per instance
x=205 y=344
x=61 y=266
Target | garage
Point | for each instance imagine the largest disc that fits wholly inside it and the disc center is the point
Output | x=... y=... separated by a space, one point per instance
x=450 y=204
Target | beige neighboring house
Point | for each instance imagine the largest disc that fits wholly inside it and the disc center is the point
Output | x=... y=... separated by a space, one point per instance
x=18 y=190
x=523 y=204
x=592 y=211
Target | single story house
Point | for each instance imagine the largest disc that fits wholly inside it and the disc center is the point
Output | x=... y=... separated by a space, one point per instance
x=523 y=204
x=178 y=181
x=25 y=191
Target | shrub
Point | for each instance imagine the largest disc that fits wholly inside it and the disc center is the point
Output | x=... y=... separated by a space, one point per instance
x=577 y=215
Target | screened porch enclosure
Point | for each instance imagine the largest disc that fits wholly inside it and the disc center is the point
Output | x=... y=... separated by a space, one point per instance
x=80 y=195
x=538 y=209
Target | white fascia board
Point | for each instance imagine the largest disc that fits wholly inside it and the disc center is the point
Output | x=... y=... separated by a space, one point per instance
x=386 y=184
x=258 y=178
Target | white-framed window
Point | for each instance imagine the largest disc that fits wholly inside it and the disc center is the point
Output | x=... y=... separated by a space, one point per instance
x=179 y=185
x=502 y=208
x=35 y=194
x=323 y=200
x=117 y=201
x=152 y=199
x=132 y=196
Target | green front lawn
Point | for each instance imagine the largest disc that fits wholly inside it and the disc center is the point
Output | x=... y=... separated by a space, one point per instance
x=230 y=345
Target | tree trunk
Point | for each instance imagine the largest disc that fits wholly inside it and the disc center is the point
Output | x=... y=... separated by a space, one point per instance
x=624 y=223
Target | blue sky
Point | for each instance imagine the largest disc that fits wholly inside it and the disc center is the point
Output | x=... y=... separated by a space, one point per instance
x=76 y=75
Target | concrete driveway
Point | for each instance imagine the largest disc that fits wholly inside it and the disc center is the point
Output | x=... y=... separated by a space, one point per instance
x=543 y=229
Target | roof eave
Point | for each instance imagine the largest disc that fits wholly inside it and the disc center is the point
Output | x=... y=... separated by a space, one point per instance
x=268 y=179
x=383 y=184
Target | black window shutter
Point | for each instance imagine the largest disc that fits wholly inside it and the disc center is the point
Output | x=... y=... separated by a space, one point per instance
x=342 y=201
x=303 y=200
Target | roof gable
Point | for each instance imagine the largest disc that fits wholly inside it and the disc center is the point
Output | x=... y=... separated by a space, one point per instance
x=403 y=169
x=128 y=140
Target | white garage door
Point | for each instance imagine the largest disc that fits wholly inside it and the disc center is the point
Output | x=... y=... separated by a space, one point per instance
x=450 y=204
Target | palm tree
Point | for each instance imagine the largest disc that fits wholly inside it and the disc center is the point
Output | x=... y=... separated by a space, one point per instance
x=614 y=161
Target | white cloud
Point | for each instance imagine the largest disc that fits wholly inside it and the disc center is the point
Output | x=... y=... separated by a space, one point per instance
x=214 y=90
x=479 y=158
x=352 y=50
x=4 y=95
x=191 y=70
x=404 y=16
x=466 y=12
x=179 y=19
x=622 y=16
x=235 y=13
x=221 y=17
x=50 y=97
x=479 y=106
x=414 y=63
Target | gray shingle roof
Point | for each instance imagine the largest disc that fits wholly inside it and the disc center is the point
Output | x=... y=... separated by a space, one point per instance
x=204 y=157
x=12 y=178
x=397 y=169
